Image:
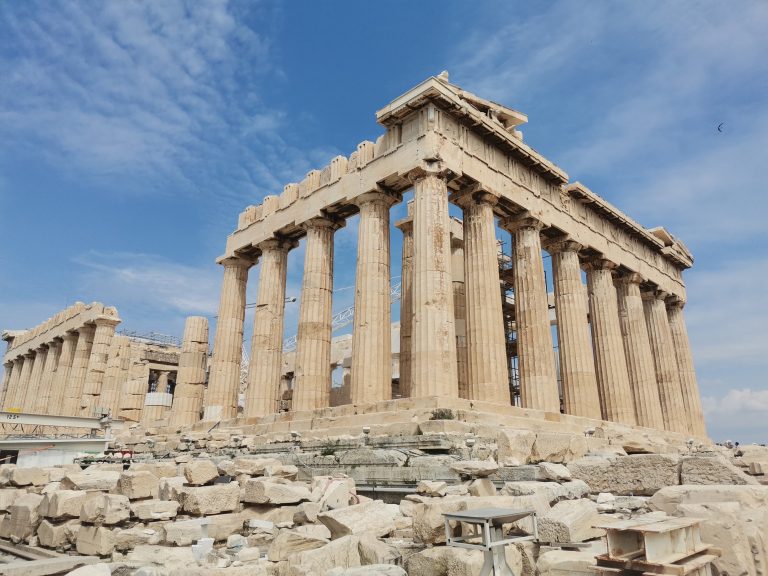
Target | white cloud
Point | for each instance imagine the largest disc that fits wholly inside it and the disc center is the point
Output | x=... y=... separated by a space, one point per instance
x=740 y=415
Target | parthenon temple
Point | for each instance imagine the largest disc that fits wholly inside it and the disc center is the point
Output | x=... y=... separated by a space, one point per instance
x=609 y=343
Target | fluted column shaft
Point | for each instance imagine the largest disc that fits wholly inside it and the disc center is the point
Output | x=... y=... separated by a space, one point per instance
x=371 y=375
x=486 y=345
x=637 y=349
x=686 y=370
x=610 y=363
x=536 y=362
x=17 y=381
x=97 y=364
x=74 y=390
x=7 y=373
x=266 y=363
x=460 y=314
x=577 y=362
x=433 y=344
x=224 y=385
x=63 y=370
x=35 y=377
x=406 y=303
x=43 y=402
x=665 y=362
x=190 y=379
x=312 y=385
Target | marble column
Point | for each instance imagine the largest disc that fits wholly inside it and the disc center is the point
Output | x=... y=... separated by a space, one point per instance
x=14 y=384
x=665 y=362
x=74 y=391
x=7 y=372
x=35 y=377
x=488 y=376
x=224 y=384
x=266 y=362
x=97 y=364
x=43 y=402
x=637 y=349
x=536 y=361
x=63 y=370
x=115 y=376
x=460 y=314
x=24 y=377
x=686 y=371
x=406 y=302
x=371 y=376
x=610 y=362
x=433 y=332
x=190 y=380
x=577 y=362
x=312 y=384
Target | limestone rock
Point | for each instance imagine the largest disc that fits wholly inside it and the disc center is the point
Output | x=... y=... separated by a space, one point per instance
x=23 y=517
x=306 y=512
x=552 y=491
x=449 y=561
x=712 y=470
x=565 y=562
x=431 y=488
x=163 y=557
x=334 y=492
x=482 y=487
x=99 y=569
x=749 y=497
x=104 y=480
x=428 y=523
x=62 y=504
x=171 y=487
x=340 y=553
x=95 y=541
x=212 y=499
x=552 y=471
x=374 y=517
x=29 y=476
x=314 y=530
x=200 y=472
x=475 y=468
x=255 y=466
x=157 y=469
x=187 y=532
x=514 y=446
x=155 y=509
x=641 y=474
x=373 y=457
x=570 y=521
x=57 y=535
x=129 y=538
x=558 y=448
x=138 y=484
x=8 y=496
x=289 y=542
x=368 y=570
x=105 y=509
x=374 y=551
x=262 y=491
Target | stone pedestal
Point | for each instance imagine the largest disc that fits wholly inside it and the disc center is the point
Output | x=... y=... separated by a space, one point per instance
x=190 y=380
x=665 y=362
x=488 y=374
x=43 y=405
x=97 y=364
x=265 y=366
x=610 y=363
x=371 y=376
x=74 y=389
x=637 y=349
x=63 y=370
x=433 y=344
x=224 y=384
x=406 y=303
x=577 y=361
x=686 y=371
x=312 y=384
x=35 y=377
x=538 y=383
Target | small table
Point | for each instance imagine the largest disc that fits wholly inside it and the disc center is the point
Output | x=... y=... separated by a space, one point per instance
x=488 y=523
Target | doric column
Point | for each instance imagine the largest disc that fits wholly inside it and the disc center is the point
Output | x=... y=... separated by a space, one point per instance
x=371 y=376
x=266 y=363
x=686 y=371
x=433 y=332
x=312 y=384
x=610 y=363
x=488 y=376
x=536 y=362
x=97 y=364
x=224 y=384
x=35 y=377
x=577 y=362
x=406 y=302
x=115 y=376
x=190 y=380
x=665 y=362
x=24 y=380
x=43 y=402
x=63 y=370
x=14 y=385
x=460 y=313
x=637 y=349
x=7 y=372
x=74 y=389
x=134 y=391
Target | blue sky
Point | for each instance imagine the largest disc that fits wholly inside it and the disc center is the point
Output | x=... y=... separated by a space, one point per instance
x=133 y=133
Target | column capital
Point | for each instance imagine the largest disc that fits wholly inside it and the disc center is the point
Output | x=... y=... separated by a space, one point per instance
x=29 y=354
x=319 y=222
x=8 y=364
x=405 y=224
x=600 y=263
x=630 y=278
x=477 y=193
x=654 y=295
x=673 y=301
x=277 y=244
x=106 y=321
x=236 y=262
x=426 y=170
x=563 y=244
x=70 y=335
x=377 y=196
x=42 y=347
x=522 y=220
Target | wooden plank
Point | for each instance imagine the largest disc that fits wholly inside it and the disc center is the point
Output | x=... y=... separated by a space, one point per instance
x=46 y=566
